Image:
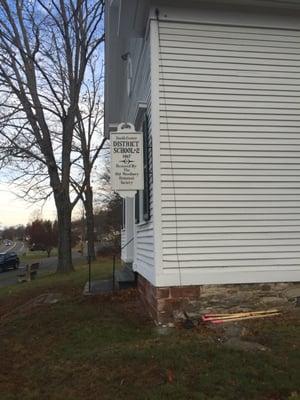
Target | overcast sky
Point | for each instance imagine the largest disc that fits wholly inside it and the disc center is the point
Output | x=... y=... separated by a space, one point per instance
x=14 y=211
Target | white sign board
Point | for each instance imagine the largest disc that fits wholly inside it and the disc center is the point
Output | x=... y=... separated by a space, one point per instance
x=127 y=171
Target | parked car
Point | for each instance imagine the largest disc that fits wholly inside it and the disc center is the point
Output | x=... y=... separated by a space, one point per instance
x=37 y=247
x=9 y=260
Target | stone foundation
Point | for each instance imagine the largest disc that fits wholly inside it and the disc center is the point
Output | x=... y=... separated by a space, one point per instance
x=168 y=304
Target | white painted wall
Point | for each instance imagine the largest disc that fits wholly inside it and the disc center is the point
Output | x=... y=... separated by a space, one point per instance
x=222 y=89
x=144 y=235
x=141 y=251
x=229 y=151
x=127 y=245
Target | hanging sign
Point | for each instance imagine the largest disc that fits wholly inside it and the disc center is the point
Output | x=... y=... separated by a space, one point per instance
x=127 y=171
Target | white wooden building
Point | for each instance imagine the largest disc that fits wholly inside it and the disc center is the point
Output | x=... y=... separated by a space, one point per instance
x=215 y=87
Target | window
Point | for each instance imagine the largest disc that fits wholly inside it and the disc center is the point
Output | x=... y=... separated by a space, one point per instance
x=146 y=193
x=142 y=200
x=129 y=75
x=137 y=207
x=123 y=214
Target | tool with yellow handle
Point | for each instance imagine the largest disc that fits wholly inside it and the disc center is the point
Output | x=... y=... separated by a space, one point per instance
x=236 y=319
x=239 y=316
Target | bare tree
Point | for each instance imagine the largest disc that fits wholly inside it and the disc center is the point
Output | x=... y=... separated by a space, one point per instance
x=90 y=140
x=45 y=51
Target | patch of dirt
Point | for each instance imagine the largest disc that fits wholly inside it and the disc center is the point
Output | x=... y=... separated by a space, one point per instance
x=129 y=302
x=26 y=308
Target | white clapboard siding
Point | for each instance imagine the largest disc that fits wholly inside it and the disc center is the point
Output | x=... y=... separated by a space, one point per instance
x=127 y=232
x=143 y=257
x=230 y=147
x=144 y=246
x=123 y=241
x=200 y=218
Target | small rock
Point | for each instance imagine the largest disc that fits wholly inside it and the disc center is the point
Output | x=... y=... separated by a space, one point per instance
x=188 y=324
x=178 y=315
x=54 y=301
x=266 y=288
x=232 y=330
x=273 y=300
x=162 y=330
x=238 y=344
x=292 y=293
x=53 y=298
x=281 y=286
x=195 y=316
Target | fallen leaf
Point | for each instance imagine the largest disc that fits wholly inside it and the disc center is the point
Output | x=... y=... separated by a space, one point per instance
x=170 y=376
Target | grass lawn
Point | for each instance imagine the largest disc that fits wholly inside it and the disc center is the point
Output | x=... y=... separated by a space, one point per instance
x=105 y=347
x=31 y=256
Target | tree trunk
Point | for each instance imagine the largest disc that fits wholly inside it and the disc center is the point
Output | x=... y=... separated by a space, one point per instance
x=64 y=213
x=90 y=225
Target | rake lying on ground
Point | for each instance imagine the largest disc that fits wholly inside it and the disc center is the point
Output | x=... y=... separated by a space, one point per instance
x=222 y=318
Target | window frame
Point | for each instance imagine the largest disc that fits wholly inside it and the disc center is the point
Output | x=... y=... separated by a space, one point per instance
x=142 y=197
x=146 y=191
x=123 y=214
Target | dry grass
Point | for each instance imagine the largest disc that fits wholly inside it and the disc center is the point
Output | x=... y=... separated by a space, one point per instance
x=105 y=347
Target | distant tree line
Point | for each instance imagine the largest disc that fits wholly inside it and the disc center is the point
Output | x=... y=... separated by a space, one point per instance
x=42 y=235
x=13 y=232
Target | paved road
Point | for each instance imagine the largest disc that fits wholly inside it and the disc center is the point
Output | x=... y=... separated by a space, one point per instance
x=47 y=265
x=17 y=247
